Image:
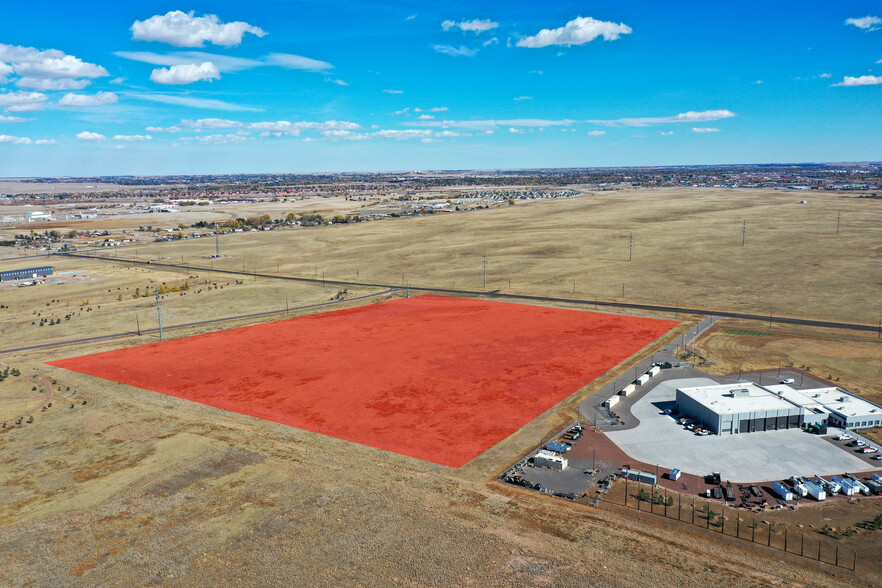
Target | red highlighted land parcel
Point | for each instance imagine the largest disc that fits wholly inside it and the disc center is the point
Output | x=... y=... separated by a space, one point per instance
x=437 y=378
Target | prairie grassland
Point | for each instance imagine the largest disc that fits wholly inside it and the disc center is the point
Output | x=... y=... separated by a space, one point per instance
x=853 y=361
x=137 y=488
x=687 y=250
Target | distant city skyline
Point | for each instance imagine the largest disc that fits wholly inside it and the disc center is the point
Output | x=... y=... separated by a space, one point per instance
x=102 y=88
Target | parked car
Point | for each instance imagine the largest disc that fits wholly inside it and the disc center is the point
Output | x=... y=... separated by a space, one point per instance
x=788 y=381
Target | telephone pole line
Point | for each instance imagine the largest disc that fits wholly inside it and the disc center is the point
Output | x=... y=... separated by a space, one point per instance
x=630 y=246
x=159 y=313
x=485 y=270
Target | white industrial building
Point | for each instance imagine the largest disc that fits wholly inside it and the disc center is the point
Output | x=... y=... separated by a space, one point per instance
x=745 y=407
x=550 y=459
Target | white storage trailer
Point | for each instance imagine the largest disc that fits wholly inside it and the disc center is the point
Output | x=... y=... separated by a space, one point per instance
x=653 y=370
x=782 y=491
x=628 y=389
x=611 y=401
x=550 y=459
x=814 y=490
x=642 y=379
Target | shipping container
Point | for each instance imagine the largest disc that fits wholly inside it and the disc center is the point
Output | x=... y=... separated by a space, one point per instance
x=814 y=490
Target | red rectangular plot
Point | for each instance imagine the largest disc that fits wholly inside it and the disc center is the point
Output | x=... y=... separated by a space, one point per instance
x=433 y=377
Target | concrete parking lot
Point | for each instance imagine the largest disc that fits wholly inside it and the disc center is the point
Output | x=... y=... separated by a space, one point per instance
x=751 y=457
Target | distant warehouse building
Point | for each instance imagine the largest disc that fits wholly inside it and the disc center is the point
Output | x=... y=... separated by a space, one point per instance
x=729 y=409
x=27 y=274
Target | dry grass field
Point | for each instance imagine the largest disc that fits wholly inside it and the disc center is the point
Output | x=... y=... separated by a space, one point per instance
x=853 y=361
x=137 y=488
x=687 y=251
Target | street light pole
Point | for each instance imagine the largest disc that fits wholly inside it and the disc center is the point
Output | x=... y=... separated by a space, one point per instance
x=159 y=313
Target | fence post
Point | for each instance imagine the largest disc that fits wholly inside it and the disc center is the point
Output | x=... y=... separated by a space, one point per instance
x=837 y=556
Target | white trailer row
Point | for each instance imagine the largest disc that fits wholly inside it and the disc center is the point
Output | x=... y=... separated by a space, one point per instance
x=630 y=388
x=611 y=401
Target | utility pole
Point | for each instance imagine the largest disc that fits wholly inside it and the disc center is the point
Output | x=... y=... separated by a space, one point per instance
x=623 y=289
x=217 y=244
x=485 y=270
x=743 y=233
x=286 y=307
x=630 y=246
x=159 y=314
x=838 y=219
x=138 y=322
x=407 y=285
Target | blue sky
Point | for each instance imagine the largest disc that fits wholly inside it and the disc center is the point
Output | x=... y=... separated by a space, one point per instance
x=100 y=88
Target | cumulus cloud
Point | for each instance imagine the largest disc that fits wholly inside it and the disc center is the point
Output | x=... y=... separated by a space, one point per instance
x=188 y=30
x=5 y=70
x=488 y=124
x=493 y=41
x=51 y=63
x=669 y=133
x=90 y=136
x=704 y=130
x=576 y=32
x=99 y=99
x=391 y=134
x=22 y=101
x=11 y=140
x=12 y=119
x=476 y=26
x=829 y=75
x=596 y=133
x=425 y=117
x=132 y=138
x=461 y=51
x=684 y=117
x=523 y=98
x=47 y=84
x=211 y=123
x=516 y=131
x=178 y=75
x=866 y=23
x=229 y=139
x=860 y=81
x=393 y=91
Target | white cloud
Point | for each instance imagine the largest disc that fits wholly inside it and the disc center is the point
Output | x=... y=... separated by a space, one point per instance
x=538 y=72
x=10 y=140
x=90 y=136
x=476 y=26
x=132 y=138
x=211 y=123
x=171 y=129
x=491 y=123
x=411 y=17
x=291 y=61
x=218 y=139
x=669 y=133
x=338 y=82
x=187 y=30
x=683 y=117
x=596 y=133
x=192 y=102
x=576 y=32
x=523 y=98
x=759 y=82
x=99 y=99
x=179 y=75
x=425 y=117
x=438 y=109
x=860 y=81
x=393 y=91
x=516 y=131
x=704 y=130
x=829 y=75
x=50 y=64
x=493 y=41
x=867 y=23
x=22 y=101
x=44 y=142
x=12 y=119
x=461 y=51
x=5 y=70
x=47 y=84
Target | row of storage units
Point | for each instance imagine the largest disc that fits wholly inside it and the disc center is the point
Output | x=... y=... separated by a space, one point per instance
x=644 y=378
